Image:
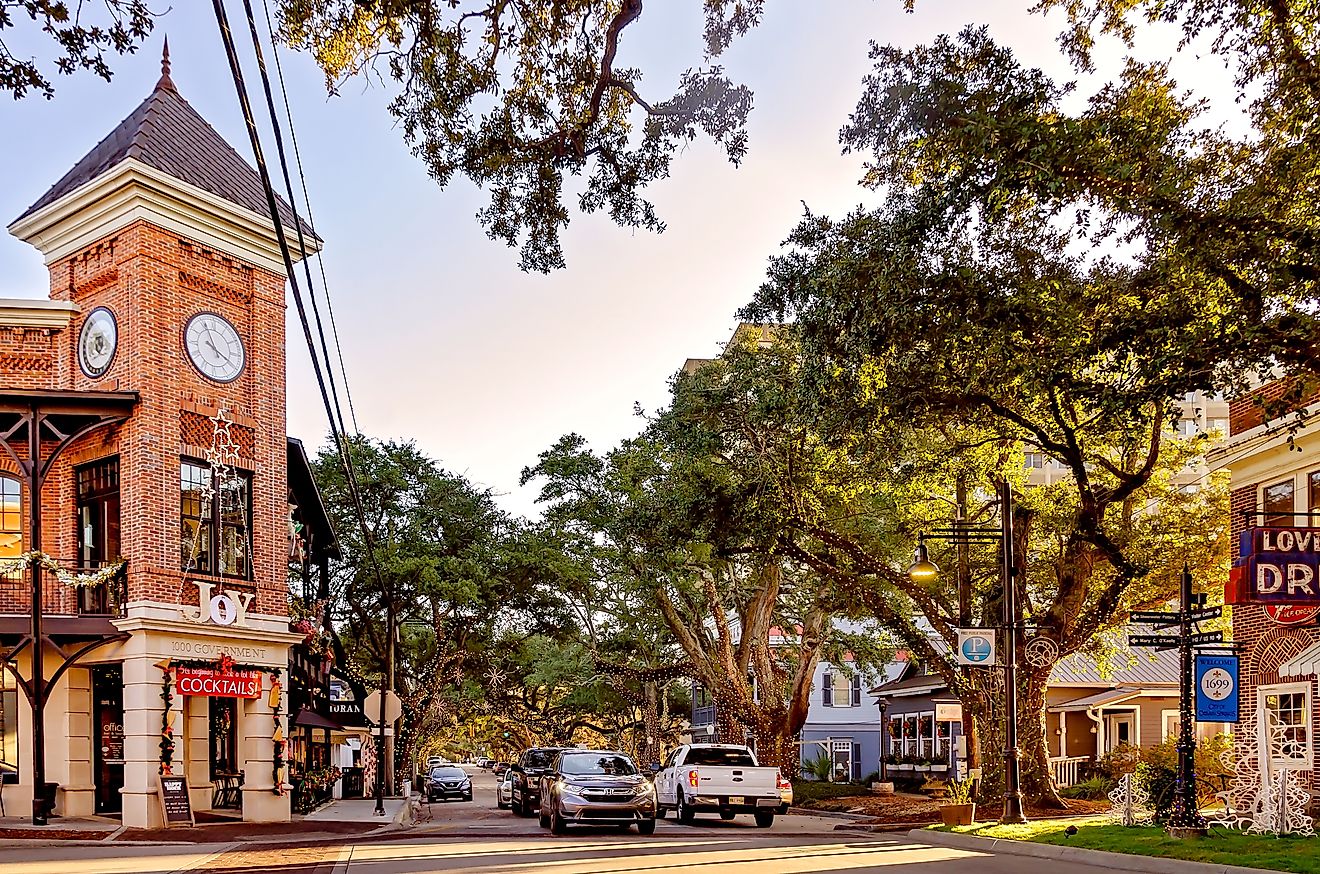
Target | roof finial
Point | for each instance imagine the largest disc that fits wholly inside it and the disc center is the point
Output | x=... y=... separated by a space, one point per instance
x=165 y=80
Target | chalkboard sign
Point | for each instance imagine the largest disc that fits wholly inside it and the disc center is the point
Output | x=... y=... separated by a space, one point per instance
x=174 y=801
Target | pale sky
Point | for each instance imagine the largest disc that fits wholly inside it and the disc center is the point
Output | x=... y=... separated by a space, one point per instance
x=445 y=341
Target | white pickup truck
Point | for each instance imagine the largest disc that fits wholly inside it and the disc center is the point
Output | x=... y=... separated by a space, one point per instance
x=718 y=778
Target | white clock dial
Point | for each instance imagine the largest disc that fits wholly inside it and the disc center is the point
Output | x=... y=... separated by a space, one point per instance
x=214 y=347
x=97 y=342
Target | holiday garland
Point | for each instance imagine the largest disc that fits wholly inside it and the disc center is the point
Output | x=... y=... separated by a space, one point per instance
x=224 y=664
x=67 y=577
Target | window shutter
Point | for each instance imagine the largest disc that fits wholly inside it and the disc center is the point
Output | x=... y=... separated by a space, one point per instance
x=857 y=690
x=827 y=691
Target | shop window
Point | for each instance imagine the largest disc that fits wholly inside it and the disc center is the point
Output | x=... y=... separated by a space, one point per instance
x=1277 y=501
x=1290 y=706
x=8 y=723
x=11 y=518
x=223 y=718
x=1313 y=497
x=215 y=537
x=910 y=745
x=98 y=513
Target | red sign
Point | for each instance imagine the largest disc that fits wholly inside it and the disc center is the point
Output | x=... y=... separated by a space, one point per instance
x=218 y=684
x=1277 y=565
x=1291 y=614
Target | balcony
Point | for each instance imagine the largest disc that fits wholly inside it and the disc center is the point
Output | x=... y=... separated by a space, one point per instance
x=59 y=599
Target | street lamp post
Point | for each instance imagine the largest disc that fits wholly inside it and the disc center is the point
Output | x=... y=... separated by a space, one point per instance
x=923 y=570
x=386 y=686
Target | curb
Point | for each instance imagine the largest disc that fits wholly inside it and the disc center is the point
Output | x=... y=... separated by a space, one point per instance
x=828 y=814
x=1095 y=858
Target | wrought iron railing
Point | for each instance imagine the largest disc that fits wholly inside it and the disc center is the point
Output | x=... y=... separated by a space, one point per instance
x=62 y=599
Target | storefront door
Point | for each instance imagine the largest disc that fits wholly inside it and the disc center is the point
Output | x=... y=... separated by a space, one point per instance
x=108 y=740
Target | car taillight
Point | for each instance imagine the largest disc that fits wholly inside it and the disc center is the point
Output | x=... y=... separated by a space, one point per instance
x=693 y=779
x=782 y=783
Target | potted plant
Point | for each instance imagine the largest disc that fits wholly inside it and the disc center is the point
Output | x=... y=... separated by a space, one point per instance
x=923 y=765
x=957 y=807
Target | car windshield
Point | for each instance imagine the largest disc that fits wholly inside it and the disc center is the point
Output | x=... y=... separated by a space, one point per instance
x=538 y=758
x=447 y=773
x=733 y=758
x=610 y=764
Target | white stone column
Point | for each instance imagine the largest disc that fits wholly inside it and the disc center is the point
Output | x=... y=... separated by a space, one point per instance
x=261 y=803
x=143 y=709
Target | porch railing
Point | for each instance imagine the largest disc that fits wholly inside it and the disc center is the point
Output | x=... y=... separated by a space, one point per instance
x=58 y=599
x=1067 y=770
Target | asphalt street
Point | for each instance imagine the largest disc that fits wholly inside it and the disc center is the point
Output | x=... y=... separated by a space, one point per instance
x=476 y=837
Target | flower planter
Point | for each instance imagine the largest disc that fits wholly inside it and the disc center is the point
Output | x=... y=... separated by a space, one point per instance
x=925 y=769
x=940 y=769
x=901 y=767
x=958 y=814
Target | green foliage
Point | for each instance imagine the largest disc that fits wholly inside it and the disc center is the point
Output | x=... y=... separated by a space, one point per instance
x=82 y=38
x=806 y=791
x=959 y=792
x=518 y=95
x=820 y=767
x=1096 y=788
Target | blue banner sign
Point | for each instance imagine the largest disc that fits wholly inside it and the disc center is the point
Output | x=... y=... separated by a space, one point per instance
x=1216 y=688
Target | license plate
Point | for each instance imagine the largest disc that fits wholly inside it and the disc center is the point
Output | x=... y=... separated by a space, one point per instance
x=735 y=799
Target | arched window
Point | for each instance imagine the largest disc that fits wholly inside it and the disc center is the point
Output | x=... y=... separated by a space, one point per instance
x=11 y=517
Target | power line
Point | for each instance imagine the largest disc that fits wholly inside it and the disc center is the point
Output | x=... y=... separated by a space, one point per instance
x=311 y=220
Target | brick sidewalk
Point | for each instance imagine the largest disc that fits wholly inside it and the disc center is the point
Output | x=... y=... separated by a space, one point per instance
x=273 y=859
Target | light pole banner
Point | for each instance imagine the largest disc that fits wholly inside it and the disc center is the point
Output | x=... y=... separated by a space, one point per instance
x=1216 y=688
x=976 y=647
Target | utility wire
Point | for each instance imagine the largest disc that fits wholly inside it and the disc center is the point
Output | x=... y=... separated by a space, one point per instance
x=341 y=440
x=297 y=223
x=311 y=220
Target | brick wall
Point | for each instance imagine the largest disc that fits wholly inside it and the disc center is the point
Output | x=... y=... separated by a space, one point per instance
x=154 y=281
x=1276 y=398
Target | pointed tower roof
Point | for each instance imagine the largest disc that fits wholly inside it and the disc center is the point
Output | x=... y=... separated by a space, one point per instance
x=167 y=134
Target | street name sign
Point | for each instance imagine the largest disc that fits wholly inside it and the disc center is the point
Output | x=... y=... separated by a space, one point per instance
x=1207 y=637
x=1145 y=617
x=1167 y=640
x=1207 y=613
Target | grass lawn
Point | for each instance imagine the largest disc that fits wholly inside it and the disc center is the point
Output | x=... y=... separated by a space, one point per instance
x=1295 y=854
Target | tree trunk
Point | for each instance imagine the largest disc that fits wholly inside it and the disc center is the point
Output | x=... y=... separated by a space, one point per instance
x=1037 y=776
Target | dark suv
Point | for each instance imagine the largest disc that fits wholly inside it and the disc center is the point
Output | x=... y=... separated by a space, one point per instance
x=525 y=792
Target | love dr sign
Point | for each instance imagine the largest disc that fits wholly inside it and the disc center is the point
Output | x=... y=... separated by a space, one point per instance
x=1281 y=565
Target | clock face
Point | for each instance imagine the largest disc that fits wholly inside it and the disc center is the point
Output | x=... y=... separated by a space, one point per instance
x=214 y=347
x=97 y=342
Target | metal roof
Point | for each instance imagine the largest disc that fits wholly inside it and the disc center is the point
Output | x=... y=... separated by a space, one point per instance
x=1099 y=699
x=166 y=133
x=1125 y=667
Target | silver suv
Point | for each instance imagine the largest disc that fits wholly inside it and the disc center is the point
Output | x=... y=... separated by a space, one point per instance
x=596 y=787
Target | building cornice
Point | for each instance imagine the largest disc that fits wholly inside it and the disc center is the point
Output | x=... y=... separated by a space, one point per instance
x=55 y=315
x=133 y=191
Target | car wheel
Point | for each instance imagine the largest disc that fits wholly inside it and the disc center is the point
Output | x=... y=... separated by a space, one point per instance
x=523 y=808
x=727 y=815
x=765 y=818
x=501 y=805
x=646 y=827
x=467 y=797
x=660 y=812
x=557 y=824
x=682 y=812
x=545 y=819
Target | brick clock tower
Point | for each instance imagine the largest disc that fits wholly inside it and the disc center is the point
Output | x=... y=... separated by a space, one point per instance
x=164 y=263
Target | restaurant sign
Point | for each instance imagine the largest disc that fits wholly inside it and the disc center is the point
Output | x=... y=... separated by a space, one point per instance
x=1279 y=565
x=218 y=684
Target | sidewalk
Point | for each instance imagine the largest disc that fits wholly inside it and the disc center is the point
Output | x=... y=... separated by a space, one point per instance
x=344 y=818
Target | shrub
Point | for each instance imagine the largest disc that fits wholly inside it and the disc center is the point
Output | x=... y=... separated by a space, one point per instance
x=959 y=792
x=820 y=768
x=1095 y=789
x=1157 y=772
x=873 y=777
x=813 y=790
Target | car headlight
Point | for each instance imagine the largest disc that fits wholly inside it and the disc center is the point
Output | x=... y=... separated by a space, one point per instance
x=574 y=788
x=643 y=789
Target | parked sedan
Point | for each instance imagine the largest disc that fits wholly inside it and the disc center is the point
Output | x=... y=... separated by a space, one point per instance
x=448 y=781
x=504 y=792
x=596 y=787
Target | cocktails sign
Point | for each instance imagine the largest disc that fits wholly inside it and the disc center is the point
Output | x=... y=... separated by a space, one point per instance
x=1279 y=565
x=210 y=682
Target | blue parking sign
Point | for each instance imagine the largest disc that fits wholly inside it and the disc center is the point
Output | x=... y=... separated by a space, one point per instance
x=1216 y=688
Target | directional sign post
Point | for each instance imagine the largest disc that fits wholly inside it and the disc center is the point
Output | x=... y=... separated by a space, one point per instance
x=1186 y=815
